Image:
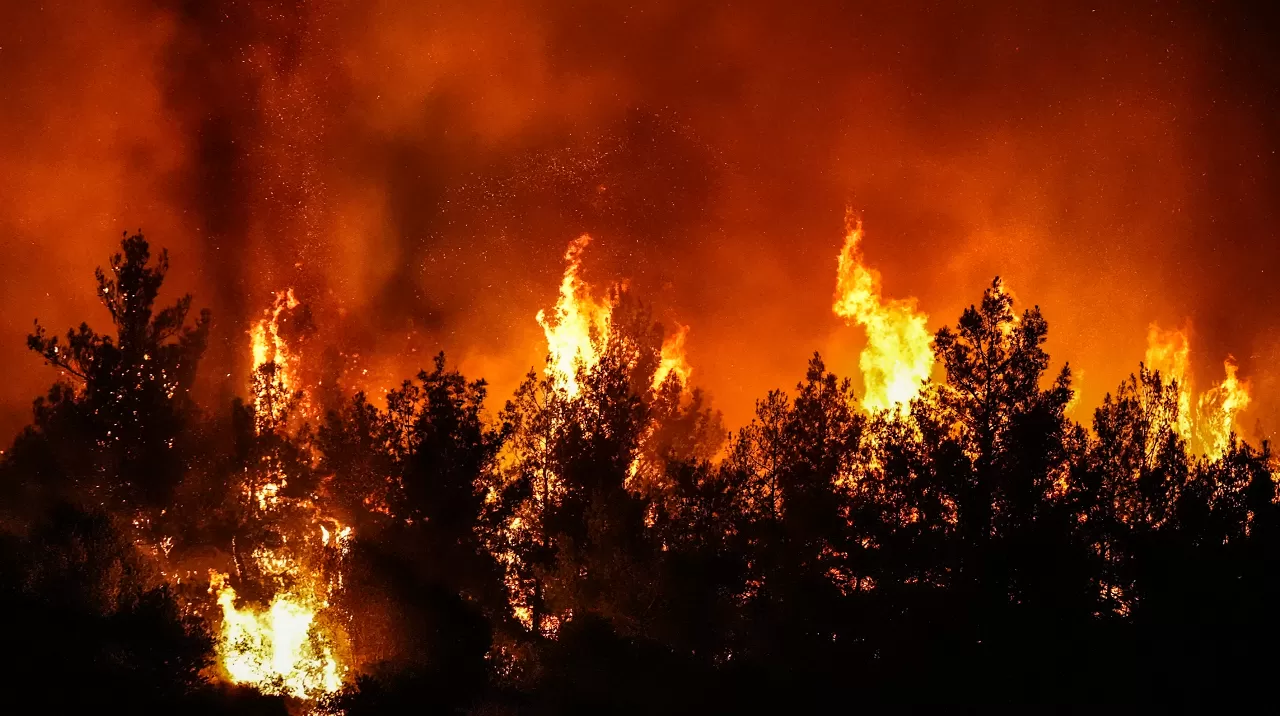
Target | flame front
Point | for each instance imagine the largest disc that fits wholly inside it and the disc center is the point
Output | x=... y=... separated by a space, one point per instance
x=1207 y=424
x=580 y=324
x=898 y=357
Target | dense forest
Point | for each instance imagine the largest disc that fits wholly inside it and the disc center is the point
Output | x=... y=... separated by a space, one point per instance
x=602 y=544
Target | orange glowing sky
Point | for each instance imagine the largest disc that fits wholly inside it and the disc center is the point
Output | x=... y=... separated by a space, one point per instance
x=416 y=170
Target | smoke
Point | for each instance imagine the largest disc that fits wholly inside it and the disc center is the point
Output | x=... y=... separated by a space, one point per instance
x=414 y=170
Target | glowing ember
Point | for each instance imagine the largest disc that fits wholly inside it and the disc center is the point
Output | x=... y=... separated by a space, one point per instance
x=1206 y=424
x=580 y=324
x=898 y=356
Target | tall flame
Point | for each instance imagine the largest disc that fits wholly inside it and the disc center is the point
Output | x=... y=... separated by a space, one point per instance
x=577 y=336
x=898 y=356
x=1206 y=424
x=265 y=341
x=673 y=360
x=580 y=324
x=269 y=349
x=1218 y=407
x=1169 y=352
x=286 y=645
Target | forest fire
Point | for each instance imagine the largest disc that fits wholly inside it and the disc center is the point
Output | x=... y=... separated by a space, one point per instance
x=274 y=382
x=292 y=644
x=502 y=367
x=265 y=341
x=581 y=335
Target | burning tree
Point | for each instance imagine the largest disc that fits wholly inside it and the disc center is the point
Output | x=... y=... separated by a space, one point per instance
x=958 y=537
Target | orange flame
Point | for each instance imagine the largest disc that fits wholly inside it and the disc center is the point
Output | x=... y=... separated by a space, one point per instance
x=265 y=340
x=286 y=646
x=1218 y=407
x=1169 y=353
x=1206 y=425
x=898 y=356
x=580 y=324
x=673 y=361
x=269 y=348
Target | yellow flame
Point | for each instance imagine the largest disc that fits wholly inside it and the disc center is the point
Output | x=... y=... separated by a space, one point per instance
x=283 y=646
x=898 y=356
x=1169 y=353
x=266 y=343
x=1206 y=424
x=673 y=359
x=580 y=324
x=268 y=347
x=1218 y=408
x=279 y=649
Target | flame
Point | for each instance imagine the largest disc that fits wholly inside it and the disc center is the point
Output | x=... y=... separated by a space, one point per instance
x=1218 y=407
x=1169 y=353
x=577 y=336
x=1208 y=423
x=580 y=324
x=280 y=649
x=286 y=645
x=898 y=356
x=269 y=349
x=265 y=340
x=284 y=648
x=673 y=359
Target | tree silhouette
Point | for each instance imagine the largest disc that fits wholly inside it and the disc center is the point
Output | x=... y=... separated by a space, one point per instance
x=130 y=392
x=598 y=545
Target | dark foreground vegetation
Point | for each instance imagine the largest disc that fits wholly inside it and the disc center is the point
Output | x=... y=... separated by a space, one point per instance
x=614 y=551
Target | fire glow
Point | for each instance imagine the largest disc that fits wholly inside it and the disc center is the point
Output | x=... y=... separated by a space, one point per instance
x=545 y=353
x=288 y=641
x=1207 y=423
x=898 y=357
x=287 y=645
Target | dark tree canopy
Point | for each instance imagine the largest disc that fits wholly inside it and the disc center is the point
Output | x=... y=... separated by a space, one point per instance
x=129 y=393
x=611 y=549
